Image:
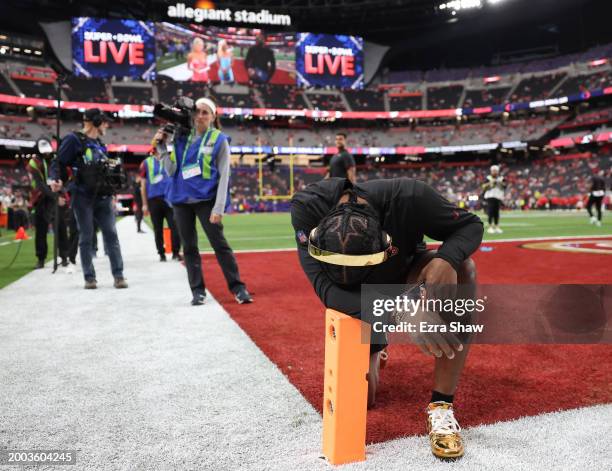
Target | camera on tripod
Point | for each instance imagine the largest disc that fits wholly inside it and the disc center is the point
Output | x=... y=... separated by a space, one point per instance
x=178 y=115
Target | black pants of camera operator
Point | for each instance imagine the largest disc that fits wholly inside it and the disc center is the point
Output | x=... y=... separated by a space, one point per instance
x=160 y=210
x=73 y=236
x=493 y=205
x=185 y=219
x=594 y=201
x=44 y=214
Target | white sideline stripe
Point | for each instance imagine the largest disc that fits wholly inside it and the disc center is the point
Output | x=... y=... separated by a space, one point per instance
x=159 y=384
x=435 y=243
x=142 y=375
x=559 y=440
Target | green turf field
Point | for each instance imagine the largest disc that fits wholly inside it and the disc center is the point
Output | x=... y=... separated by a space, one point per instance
x=273 y=231
x=22 y=253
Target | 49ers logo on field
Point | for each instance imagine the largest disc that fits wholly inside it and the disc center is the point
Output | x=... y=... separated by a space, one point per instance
x=595 y=246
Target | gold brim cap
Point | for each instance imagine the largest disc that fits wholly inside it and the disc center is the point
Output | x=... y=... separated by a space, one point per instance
x=346 y=260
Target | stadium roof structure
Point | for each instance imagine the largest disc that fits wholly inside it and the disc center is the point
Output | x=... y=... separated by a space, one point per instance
x=410 y=24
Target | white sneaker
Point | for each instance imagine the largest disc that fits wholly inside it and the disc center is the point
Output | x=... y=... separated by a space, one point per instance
x=598 y=223
x=490 y=230
x=498 y=230
x=593 y=220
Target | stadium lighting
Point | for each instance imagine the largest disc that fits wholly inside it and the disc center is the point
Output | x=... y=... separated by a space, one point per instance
x=456 y=5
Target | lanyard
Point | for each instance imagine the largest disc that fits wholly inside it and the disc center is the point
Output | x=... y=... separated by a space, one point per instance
x=203 y=142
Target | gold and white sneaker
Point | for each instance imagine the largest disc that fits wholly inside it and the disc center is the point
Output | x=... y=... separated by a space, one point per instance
x=444 y=431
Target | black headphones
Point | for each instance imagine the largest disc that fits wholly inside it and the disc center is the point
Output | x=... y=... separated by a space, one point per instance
x=97 y=120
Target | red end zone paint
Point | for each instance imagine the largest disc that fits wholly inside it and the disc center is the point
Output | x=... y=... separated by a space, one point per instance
x=499 y=383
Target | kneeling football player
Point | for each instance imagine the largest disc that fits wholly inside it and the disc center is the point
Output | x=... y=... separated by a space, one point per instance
x=373 y=232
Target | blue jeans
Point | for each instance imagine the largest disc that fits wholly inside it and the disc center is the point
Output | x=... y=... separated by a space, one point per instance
x=86 y=210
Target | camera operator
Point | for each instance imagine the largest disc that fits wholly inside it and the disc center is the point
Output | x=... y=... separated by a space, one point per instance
x=91 y=190
x=154 y=183
x=43 y=201
x=199 y=165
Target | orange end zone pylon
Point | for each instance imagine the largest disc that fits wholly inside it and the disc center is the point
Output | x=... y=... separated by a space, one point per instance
x=345 y=397
x=167 y=240
x=21 y=234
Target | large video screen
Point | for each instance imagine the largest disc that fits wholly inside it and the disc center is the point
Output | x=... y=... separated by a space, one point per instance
x=107 y=48
x=201 y=53
x=329 y=60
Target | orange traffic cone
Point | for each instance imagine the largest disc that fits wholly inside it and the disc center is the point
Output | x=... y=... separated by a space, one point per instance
x=21 y=234
x=167 y=240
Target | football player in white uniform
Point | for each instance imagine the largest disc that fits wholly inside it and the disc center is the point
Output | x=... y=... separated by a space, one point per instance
x=494 y=189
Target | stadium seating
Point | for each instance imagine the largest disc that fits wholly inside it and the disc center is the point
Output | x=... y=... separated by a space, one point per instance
x=327 y=101
x=35 y=89
x=132 y=95
x=590 y=118
x=536 y=87
x=566 y=180
x=281 y=96
x=5 y=88
x=403 y=103
x=86 y=90
x=440 y=98
x=365 y=100
x=485 y=97
x=581 y=83
x=253 y=134
x=235 y=99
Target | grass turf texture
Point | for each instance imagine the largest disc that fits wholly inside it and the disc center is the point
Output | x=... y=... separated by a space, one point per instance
x=274 y=231
x=264 y=231
x=26 y=258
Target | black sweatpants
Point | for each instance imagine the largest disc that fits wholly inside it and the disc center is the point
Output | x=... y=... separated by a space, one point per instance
x=595 y=200
x=73 y=235
x=493 y=205
x=138 y=215
x=159 y=210
x=44 y=214
x=185 y=218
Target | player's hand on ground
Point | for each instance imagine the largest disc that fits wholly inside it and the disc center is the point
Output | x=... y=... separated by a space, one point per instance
x=215 y=218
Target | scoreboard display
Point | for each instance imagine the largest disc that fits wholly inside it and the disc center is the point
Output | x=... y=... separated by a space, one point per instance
x=113 y=48
x=329 y=60
x=200 y=53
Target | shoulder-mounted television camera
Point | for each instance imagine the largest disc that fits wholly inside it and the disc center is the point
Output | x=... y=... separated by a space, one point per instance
x=179 y=114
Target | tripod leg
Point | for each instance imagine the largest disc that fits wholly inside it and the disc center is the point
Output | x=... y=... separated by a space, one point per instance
x=55 y=232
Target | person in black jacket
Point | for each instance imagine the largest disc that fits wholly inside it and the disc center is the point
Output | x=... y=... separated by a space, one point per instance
x=350 y=220
x=259 y=61
x=43 y=201
x=138 y=203
x=596 y=196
